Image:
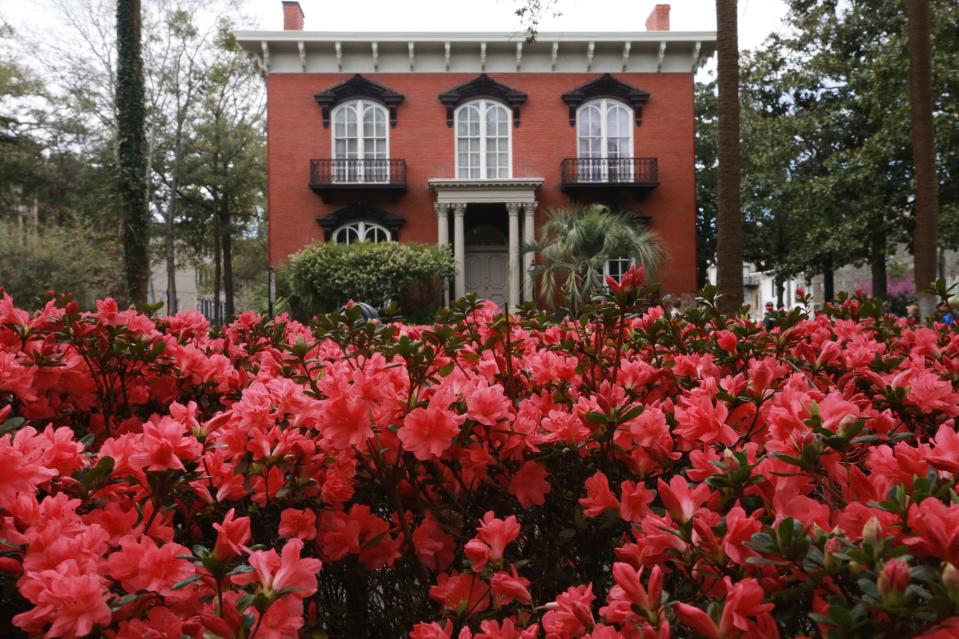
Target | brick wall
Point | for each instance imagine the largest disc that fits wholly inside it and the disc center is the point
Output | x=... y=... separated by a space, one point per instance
x=421 y=137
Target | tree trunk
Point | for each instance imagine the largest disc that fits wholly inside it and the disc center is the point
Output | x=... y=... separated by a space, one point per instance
x=923 y=152
x=877 y=264
x=702 y=272
x=131 y=151
x=829 y=283
x=170 y=221
x=172 y=304
x=226 y=230
x=729 y=221
x=217 y=273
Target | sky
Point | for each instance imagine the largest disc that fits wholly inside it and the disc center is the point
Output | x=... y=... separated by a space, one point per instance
x=757 y=18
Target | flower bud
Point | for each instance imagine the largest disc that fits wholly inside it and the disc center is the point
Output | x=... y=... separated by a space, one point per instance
x=893 y=580
x=950 y=576
x=729 y=458
x=830 y=561
x=950 y=579
x=872 y=531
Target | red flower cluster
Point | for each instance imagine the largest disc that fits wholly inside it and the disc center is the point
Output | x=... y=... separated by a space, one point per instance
x=625 y=475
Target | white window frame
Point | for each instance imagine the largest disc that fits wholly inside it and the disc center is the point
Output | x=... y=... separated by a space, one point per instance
x=602 y=173
x=361 y=106
x=362 y=229
x=606 y=269
x=483 y=105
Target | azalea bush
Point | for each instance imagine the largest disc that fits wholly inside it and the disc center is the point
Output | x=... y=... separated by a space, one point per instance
x=624 y=474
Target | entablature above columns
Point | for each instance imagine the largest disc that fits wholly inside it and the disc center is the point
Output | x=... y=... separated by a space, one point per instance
x=519 y=190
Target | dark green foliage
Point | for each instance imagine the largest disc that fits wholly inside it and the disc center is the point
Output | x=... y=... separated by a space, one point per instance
x=325 y=275
x=67 y=258
x=706 y=161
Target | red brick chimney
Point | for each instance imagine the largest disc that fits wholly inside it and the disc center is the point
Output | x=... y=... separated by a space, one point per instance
x=293 y=15
x=658 y=19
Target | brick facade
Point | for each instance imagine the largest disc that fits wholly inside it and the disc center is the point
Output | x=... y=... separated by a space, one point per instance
x=296 y=135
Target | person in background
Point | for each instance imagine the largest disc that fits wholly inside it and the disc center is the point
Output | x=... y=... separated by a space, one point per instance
x=768 y=320
x=912 y=314
x=946 y=314
x=675 y=310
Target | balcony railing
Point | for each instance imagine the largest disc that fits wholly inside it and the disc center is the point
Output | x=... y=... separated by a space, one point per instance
x=330 y=176
x=593 y=173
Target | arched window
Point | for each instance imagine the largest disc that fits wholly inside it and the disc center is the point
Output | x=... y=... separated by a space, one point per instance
x=482 y=141
x=360 y=142
x=361 y=232
x=605 y=140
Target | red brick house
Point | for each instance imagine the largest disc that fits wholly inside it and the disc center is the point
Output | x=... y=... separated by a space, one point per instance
x=467 y=139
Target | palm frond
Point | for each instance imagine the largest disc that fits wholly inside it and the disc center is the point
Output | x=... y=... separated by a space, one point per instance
x=576 y=242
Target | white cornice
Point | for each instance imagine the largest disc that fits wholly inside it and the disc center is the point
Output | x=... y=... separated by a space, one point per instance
x=474 y=52
x=477 y=36
x=453 y=190
x=437 y=184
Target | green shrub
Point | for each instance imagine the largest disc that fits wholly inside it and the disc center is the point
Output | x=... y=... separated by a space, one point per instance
x=72 y=257
x=325 y=275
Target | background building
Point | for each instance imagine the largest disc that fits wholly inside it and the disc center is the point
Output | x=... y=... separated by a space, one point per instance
x=468 y=139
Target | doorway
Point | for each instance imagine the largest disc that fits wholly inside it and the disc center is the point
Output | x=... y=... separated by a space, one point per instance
x=486 y=260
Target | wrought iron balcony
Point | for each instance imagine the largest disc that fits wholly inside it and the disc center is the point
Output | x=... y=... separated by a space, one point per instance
x=328 y=177
x=640 y=174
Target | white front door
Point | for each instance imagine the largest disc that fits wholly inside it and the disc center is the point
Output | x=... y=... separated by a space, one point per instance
x=487 y=273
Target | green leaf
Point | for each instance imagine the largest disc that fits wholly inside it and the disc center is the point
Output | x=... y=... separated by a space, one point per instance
x=186 y=582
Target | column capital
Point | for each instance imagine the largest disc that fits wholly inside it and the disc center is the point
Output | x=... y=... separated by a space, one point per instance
x=459 y=209
x=530 y=207
x=441 y=208
x=513 y=207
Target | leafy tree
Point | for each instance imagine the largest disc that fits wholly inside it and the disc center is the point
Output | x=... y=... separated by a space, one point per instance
x=179 y=82
x=69 y=257
x=224 y=166
x=706 y=161
x=826 y=148
x=575 y=244
x=131 y=150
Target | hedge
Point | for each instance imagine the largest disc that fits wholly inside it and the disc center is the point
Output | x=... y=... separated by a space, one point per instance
x=326 y=275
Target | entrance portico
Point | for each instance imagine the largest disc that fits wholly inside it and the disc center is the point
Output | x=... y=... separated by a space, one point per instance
x=518 y=196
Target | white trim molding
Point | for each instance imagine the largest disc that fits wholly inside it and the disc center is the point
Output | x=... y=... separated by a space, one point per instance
x=411 y=52
x=454 y=191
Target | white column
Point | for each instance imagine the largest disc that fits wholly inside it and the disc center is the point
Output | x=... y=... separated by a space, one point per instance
x=443 y=239
x=514 y=275
x=459 y=249
x=529 y=236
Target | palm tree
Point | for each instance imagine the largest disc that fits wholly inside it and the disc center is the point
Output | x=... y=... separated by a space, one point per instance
x=923 y=151
x=575 y=244
x=131 y=150
x=729 y=217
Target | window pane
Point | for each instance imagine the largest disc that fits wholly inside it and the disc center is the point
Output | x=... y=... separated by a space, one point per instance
x=617 y=267
x=351 y=130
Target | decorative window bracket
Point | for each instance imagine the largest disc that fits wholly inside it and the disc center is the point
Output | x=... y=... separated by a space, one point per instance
x=361 y=212
x=606 y=86
x=482 y=86
x=355 y=88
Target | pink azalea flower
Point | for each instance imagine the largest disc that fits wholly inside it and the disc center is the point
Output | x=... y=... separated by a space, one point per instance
x=487 y=404
x=529 y=484
x=73 y=603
